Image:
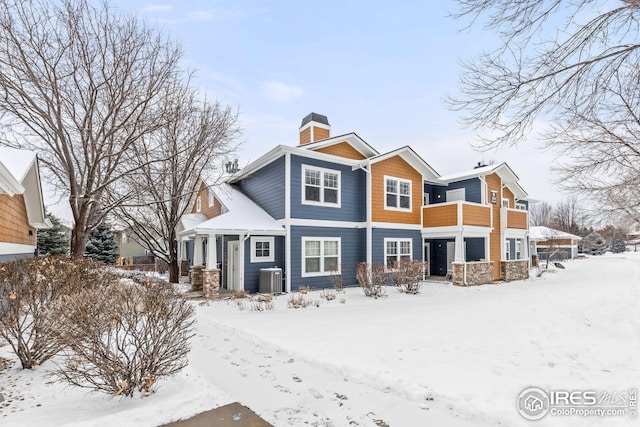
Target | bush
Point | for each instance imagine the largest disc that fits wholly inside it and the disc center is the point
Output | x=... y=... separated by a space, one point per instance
x=408 y=276
x=28 y=288
x=123 y=338
x=298 y=301
x=372 y=281
x=336 y=278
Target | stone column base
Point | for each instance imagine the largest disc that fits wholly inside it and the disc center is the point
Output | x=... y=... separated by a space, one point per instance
x=211 y=283
x=478 y=273
x=196 y=277
x=184 y=267
x=517 y=269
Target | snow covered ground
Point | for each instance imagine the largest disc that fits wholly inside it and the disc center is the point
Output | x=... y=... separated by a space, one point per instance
x=448 y=356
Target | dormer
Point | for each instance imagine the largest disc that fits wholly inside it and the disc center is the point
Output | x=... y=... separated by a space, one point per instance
x=314 y=127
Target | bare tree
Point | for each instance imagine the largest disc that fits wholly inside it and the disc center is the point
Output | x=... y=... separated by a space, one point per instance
x=540 y=213
x=170 y=162
x=568 y=216
x=80 y=85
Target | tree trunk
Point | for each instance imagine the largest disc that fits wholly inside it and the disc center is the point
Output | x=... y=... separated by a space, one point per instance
x=174 y=271
x=79 y=240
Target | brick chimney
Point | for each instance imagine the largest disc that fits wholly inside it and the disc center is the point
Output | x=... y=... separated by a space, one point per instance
x=314 y=128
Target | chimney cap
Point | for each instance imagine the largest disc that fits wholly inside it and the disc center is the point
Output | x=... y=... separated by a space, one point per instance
x=315 y=117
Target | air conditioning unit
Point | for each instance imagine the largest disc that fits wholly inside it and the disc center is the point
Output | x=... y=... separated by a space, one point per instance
x=270 y=281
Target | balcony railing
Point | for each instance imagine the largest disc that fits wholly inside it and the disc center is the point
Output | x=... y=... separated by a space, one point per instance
x=458 y=213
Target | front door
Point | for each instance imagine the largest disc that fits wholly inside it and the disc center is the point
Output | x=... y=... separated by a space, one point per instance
x=451 y=255
x=233 y=266
x=427 y=259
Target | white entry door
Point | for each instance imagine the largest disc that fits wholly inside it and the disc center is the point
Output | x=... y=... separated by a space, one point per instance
x=233 y=266
x=451 y=254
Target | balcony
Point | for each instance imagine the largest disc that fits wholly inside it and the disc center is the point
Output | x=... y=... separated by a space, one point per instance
x=517 y=219
x=455 y=214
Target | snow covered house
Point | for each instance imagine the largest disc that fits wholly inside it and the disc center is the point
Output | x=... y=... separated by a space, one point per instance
x=333 y=202
x=557 y=244
x=21 y=203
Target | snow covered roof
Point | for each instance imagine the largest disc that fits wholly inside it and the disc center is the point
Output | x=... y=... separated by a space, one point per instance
x=410 y=156
x=191 y=220
x=19 y=174
x=505 y=172
x=538 y=233
x=241 y=214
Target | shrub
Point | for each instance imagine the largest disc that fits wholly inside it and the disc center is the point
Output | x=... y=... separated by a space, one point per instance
x=408 y=276
x=372 y=281
x=123 y=338
x=328 y=294
x=28 y=288
x=304 y=289
x=298 y=301
x=336 y=278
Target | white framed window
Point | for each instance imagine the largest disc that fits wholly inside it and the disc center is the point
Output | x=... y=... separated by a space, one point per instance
x=425 y=199
x=518 y=248
x=397 y=192
x=521 y=206
x=507 y=250
x=505 y=203
x=212 y=199
x=198 y=204
x=396 y=250
x=320 y=186
x=320 y=255
x=262 y=249
x=458 y=194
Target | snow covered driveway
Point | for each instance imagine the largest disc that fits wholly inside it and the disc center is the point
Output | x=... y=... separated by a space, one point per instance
x=448 y=356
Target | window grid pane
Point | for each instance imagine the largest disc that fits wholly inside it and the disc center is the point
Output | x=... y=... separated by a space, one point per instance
x=405 y=248
x=331 y=180
x=312 y=248
x=405 y=188
x=392 y=248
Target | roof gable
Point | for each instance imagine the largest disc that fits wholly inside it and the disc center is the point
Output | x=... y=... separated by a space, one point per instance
x=352 y=139
x=412 y=158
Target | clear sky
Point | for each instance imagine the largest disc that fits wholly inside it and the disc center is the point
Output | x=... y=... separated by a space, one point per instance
x=377 y=68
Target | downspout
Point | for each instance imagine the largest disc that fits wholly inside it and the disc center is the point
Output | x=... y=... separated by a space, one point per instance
x=369 y=230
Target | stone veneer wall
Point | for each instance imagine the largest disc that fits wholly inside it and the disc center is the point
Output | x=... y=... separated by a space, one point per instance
x=211 y=283
x=478 y=273
x=514 y=270
x=196 y=277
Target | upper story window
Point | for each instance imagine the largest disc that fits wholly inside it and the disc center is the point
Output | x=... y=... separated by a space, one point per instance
x=212 y=199
x=397 y=193
x=198 y=204
x=505 y=203
x=521 y=206
x=320 y=186
x=262 y=249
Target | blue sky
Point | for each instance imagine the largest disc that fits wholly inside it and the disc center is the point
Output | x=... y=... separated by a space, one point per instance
x=377 y=68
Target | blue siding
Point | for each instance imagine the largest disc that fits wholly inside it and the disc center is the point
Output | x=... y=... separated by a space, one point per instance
x=475 y=248
x=352 y=193
x=379 y=234
x=252 y=269
x=524 y=202
x=472 y=192
x=266 y=187
x=352 y=252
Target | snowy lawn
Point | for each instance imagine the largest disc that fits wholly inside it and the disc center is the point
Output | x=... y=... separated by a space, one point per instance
x=448 y=356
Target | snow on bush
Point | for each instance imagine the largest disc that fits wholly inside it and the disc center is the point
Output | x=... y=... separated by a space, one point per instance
x=28 y=288
x=372 y=280
x=122 y=338
x=408 y=276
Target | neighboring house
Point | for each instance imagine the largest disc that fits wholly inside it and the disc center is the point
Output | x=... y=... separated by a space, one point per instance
x=333 y=202
x=128 y=246
x=547 y=241
x=21 y=203
x=633 y=236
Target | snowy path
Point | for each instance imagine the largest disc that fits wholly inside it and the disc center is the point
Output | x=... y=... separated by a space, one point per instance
x=289 y=391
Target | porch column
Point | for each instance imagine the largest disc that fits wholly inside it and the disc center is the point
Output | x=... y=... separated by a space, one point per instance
x=459 y=255
x=183 y=248
x=197 y=251
x=487 y=248
x=212 y=253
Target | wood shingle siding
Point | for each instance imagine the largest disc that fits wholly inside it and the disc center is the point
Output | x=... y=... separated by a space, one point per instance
x=395 y=167
x=14 y=223
x=342 y=149
x=440 y=215
x=493 y=184
x=476 y=215
x=517 y=219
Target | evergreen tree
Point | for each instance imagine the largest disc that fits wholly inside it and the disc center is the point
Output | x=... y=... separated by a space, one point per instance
x=101 y=245
x=54 y=240
x=618 y=243
x=594 y=244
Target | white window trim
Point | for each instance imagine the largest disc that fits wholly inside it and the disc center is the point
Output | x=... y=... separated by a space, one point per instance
x=521 y=206
x=518 y=248
x=398 y=180
x=271 y=256
x=322 y=172
x=212 y=199
x=322 y=240
x=507 y=250
x=425 y=199
x=198 y=204
x=461 y=194
x=398 y=240
x=507 y=205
